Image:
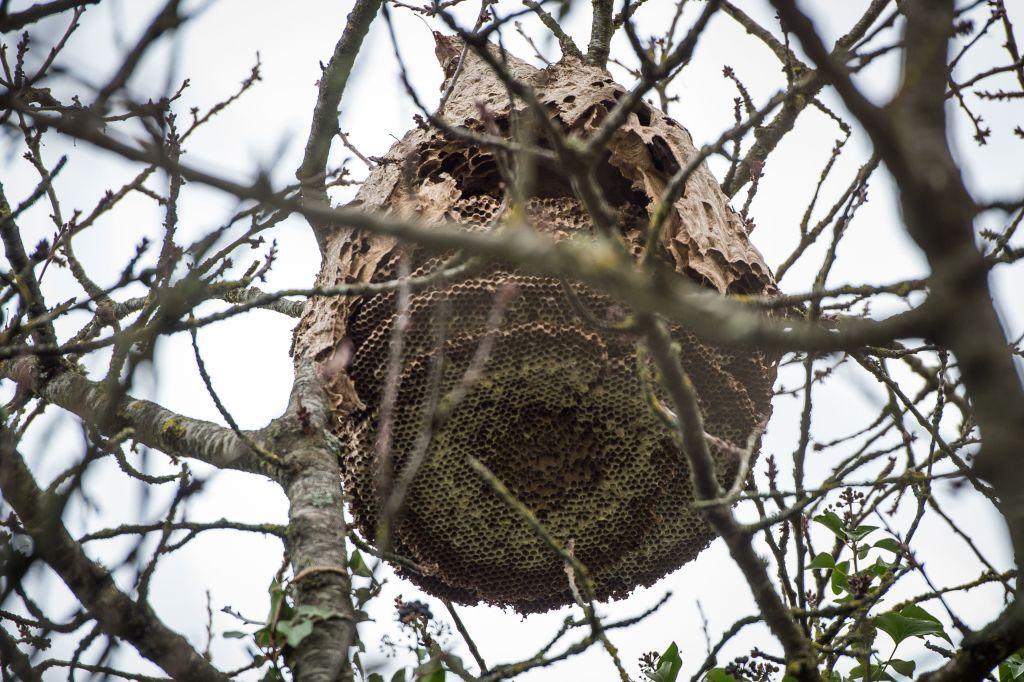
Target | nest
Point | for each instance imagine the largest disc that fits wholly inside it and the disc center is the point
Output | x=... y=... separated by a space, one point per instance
x=560 y=413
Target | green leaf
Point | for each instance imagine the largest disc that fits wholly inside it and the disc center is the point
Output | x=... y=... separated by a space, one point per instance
x=900 y=627
x=271 y=676
x=719 y=675
x=357 y=659
x=861 y=532
x=277 y=605
x=905 y=668
x=430 y=671
x=399 y=676
x=262 y=637
x=840 y=578
x=877 y=673
x=879 y=569
x=358 y=566
x=375 y=677
x=668 y=666
x=915 y=611
x=234 y=634
x=1012 y=669
x=299 y=632
x=832 y=521
x=823 y=560
x=889 y=544
x=316 y=612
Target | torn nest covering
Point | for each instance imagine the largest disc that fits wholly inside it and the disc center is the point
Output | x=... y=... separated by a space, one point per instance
x=559 y=414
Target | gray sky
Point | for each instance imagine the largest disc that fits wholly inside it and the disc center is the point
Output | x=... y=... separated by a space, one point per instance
x=248 y=356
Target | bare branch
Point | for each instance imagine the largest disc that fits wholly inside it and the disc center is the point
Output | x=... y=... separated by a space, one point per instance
x=115 y=611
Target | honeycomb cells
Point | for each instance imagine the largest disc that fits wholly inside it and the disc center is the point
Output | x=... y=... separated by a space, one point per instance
x=559 y=415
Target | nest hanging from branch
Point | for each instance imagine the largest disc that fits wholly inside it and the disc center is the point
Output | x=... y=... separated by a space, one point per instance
x=560 y=414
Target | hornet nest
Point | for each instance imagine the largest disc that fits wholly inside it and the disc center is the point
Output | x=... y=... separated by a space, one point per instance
x=559 y=414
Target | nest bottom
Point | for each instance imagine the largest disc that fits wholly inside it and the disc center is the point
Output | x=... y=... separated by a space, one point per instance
x=560 y=416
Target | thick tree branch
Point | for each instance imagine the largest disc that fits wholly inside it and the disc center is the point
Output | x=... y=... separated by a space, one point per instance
x=981 y=651
x=312 y=171
x=911 y=136
x=115 y=612
x=151 y=424
x=800 y=659
x=601 y=31
x=706 y=313
x=316 y=533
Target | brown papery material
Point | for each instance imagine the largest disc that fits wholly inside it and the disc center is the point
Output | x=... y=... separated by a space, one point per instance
x=560 y=415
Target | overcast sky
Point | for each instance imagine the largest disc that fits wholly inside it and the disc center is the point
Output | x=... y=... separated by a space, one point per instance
x=248 y=356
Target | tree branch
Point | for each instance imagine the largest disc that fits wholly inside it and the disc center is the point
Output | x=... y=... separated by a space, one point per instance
x=801 y=661
x=316 y=532
x=565 y=42
x=116 y=613
x=151 y=424
x=706 y=313
x=38 y=12
x=805 y=87
x=313 y=169
x=981 y=651
x=601 y=31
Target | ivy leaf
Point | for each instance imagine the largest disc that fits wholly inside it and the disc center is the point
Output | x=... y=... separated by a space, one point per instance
x=358 y=566
x=399 y=676
x=234 y=634
x=277 y=605
x=262 y=637
x=375 y=677
x=719 y=675
x=905 y=668
x=283 y=626
x=1012 y=669
x=823 y=560
x=316 y=612
x=832 y=521
x=668 y=666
